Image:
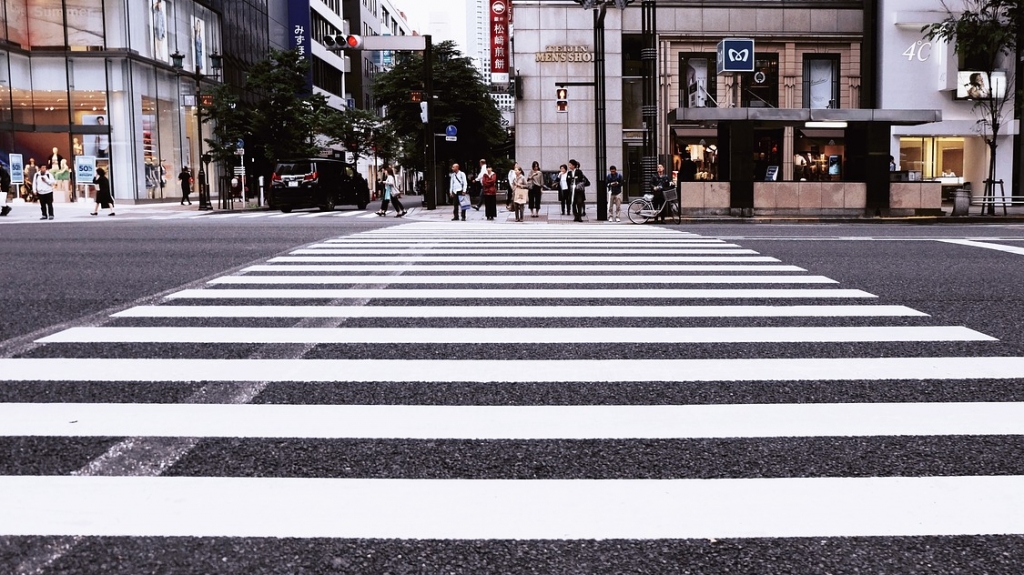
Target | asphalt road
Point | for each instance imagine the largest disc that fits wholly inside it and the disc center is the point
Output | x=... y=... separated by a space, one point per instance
x=75 y=275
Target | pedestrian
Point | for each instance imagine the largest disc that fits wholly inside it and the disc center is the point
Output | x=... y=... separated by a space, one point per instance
x=104 y=199
x=520 y=193
x=480 y=184
x=185 y=177
x=43 y=184
x=385 y=197
x=615 y=189
x=536 y=181
x=563 y=189
x=5 y=186
x=457 y=188
x=511 y=178
x=489 y=182
x=660 y=183
x=391 y=190
x=578 y=183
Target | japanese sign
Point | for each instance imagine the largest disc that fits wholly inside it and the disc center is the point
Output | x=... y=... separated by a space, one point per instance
x=735 y=55
x=298 y=34
x=498 y=23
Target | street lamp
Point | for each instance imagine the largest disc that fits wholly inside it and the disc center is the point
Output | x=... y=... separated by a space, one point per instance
x=216 y=62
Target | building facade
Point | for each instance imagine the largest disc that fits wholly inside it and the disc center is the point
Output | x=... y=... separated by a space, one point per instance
x=804 y=129
x=93 y=79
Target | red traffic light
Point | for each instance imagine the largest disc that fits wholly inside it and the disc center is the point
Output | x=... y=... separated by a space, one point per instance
x=353 y=42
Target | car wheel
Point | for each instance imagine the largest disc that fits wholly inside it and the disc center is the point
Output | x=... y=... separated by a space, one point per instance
x=362 y=205
x=286 y=210
x=328 y=205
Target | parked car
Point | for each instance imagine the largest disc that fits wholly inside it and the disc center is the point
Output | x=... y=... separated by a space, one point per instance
x=317 y=183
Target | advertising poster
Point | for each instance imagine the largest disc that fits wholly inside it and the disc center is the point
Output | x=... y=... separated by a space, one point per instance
x=158 y=24
x=499 y=41
x=199 y=44
x=85 y=169
x=17 y=169
x=95 y=144
x=697 y=82
x=821 y=82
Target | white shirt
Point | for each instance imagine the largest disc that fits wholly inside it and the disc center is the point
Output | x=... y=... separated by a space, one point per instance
x=458 y=183
x=563 y=180
x=511 y=179
x=43 y=183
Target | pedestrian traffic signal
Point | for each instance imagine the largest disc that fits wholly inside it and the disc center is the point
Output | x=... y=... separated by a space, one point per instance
x=562 y=100
x=424 y=115
x=342 y=42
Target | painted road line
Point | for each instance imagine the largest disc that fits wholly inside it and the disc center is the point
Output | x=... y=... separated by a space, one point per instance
x=517 y=294
x=457 y=267
x=317 y=214
x=510 y=422
x=519 y=279
x=516 y=251
x=511 y=371
x=505 y=258
x=511 y=509
x=352 y=213
x=359 y=240
x=548 y=335
x=260 y=215
x=611 y=311
x=974 y=244
x=289 y=215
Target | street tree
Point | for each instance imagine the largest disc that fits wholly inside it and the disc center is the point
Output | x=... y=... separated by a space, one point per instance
x=461 y=99
x=984 y=34
x=355 y=130
x=230 y=120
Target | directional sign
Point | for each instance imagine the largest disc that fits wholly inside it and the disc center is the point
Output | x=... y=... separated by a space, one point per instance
x=451 y=131
x=735 y=55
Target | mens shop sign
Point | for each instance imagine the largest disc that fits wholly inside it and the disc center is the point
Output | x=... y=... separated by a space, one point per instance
x=735 y=55
x=565 y=54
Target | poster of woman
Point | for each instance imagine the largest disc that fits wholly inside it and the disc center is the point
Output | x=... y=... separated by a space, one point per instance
x=199 y=43
x=158 y=23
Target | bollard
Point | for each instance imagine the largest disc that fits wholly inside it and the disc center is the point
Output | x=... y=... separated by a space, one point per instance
x=961 y=202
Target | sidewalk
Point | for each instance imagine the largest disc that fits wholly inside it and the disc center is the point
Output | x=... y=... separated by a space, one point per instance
x=65 y=211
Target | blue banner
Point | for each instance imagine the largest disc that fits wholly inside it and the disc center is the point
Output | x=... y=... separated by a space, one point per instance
x=299 y=28
x=735 y=55
x=17 y=170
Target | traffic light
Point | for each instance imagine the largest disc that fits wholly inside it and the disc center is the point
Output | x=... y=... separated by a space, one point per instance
x=424 y=115
x=343 y=42
x=562 y=100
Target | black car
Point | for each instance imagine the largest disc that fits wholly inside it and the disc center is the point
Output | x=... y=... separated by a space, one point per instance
x=317 y=183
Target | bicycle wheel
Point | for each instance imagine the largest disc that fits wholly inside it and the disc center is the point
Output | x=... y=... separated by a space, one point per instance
x=675 y=212
x=636 y=210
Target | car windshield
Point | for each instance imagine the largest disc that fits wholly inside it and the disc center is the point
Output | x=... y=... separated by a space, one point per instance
x=295 y=169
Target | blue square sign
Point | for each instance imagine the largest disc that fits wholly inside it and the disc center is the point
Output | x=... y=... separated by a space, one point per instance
x=735 y=55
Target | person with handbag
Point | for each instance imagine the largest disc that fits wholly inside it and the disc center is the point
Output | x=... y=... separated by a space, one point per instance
x=578 y=183
x=536 y=181
x=520 y=193
x=457 y=187
x=489 y=183
x=104 y=198
x=391 y=191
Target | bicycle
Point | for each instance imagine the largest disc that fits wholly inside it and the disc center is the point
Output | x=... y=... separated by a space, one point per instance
x=641 y=210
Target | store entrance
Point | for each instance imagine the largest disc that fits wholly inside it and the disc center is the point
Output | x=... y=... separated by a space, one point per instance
x=58 y=150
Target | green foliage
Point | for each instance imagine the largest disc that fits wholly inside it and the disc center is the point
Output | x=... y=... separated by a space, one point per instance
x=356 y=130
x=461 y=99
x=985 y=29
x=288 y=118
x=230 y=122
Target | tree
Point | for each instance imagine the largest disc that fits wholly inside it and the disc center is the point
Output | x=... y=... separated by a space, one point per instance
x=290 y=121
x=355 y=129
x=986 y=33
x=461 y=100
x=230 y=120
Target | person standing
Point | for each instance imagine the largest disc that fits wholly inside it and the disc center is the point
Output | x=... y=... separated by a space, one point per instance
x=577 y=189
x=520 y=193
x=43 y=183
x=5 y=186
x=511 y=185
x=659 y=184
x=185 y=177
x=489 y=183
x=456 y=189
x=104 y=199
x=480 y=184
x=615 y=189
x=391 y=190
x=536 y=181
x=563 y=189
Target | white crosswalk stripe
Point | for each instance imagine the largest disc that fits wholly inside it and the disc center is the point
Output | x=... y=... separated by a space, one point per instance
x=540 y=357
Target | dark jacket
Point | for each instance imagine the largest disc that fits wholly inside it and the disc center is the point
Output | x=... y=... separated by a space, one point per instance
x=575 y=178
x=614 y=183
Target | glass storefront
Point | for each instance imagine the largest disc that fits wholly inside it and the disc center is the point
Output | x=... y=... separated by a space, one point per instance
x=70 y=90
x=932 y=157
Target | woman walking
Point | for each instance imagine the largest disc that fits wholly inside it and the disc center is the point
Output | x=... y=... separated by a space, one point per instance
x=520 y=193
x=489 y=183
x=536 y=181
x=103 y=197
x=185 y=177
x=391 y=190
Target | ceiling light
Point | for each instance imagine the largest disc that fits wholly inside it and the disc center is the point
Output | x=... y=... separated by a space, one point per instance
x=824 y=124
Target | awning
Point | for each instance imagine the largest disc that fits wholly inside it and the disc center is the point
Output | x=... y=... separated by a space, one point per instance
x=799 y=115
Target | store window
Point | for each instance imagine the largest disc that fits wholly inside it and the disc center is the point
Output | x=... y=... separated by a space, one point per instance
x=819 y=155
x=6 y=108
x=17 y=22
x=821 y=81
x=85 y=18
x=697 y=86
x=695 y=155
x=931 y=157
x=761 y=89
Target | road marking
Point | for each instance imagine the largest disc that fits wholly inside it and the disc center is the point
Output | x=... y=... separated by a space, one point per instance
x=410 y=266
x=260 y=215
x=282 y=215
x=505 y=258
x=610 y=311
x=516 y=294
x=317 y=215
x=510 y=422
x=350 y=214
x=520 y=279
x=510 y=371
x=1008 y=249
x=517 y=251
x=486 y=241
x=511 y=509
x=548 y=335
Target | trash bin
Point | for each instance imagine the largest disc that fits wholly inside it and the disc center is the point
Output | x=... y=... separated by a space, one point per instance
x=961 y=202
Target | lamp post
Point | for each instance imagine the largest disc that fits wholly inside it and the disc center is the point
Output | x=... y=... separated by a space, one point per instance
x=216 y=61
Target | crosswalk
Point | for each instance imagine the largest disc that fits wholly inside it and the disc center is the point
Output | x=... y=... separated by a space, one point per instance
x=419 y=383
